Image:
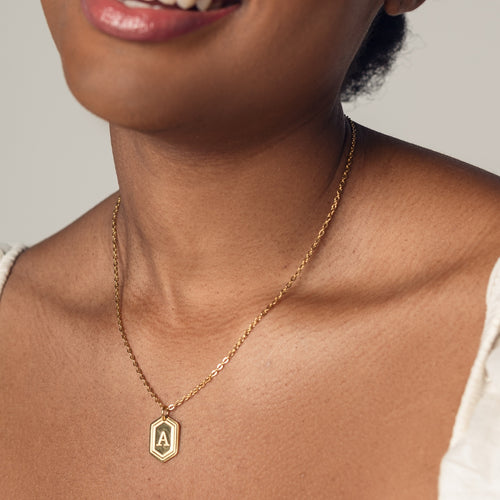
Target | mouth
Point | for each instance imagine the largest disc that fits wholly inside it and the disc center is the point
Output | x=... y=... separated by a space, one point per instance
x=193 y=5
x=155 y=20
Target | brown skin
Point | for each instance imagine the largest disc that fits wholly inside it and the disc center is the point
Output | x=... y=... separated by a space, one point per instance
x=349 y=388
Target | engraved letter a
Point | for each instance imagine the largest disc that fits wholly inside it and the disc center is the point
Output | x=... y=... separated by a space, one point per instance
x=162 y=440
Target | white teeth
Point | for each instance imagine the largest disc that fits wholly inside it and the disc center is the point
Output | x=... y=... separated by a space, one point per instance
x=201 y=5
x=186 y=4
x=134 y=3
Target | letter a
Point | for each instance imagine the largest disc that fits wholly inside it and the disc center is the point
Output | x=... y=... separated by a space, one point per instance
x=162 y=440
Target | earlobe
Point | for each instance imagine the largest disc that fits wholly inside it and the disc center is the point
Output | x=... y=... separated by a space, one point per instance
x=398 y=7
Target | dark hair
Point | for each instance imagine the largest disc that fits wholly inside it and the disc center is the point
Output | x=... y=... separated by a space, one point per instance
x=376 y=56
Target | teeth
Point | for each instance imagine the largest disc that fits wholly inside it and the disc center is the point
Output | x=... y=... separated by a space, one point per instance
x=186 y=4
x=133 y=3
x=201 y=5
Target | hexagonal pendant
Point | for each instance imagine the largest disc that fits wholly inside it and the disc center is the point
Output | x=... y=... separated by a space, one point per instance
x=164 y=438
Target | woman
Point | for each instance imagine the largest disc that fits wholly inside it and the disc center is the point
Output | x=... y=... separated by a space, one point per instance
x=230 y=144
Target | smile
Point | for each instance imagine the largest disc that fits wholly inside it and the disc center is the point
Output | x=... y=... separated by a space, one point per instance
x=154 y=20
x=200 y=5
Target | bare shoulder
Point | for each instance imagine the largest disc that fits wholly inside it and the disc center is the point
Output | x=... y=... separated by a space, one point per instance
x=417 y=236
x=52 y=311
x=56 y=280
x=67 y=263
x=441 y=206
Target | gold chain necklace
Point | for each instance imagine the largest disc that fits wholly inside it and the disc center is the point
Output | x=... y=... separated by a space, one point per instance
x=164 y=432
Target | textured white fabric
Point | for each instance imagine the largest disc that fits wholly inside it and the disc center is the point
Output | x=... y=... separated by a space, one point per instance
x=470 y=470
x=8 y=255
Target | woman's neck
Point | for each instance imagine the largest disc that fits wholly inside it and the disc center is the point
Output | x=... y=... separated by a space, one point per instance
x=194 y=223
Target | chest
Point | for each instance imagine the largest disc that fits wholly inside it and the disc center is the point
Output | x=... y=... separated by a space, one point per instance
x=345 y=408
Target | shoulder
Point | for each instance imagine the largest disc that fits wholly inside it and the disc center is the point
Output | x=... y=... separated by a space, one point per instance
x=64 y=273
x=438 y=203
x=53 y=289
x=416 y=239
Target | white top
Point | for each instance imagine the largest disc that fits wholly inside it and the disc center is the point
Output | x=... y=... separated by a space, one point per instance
x=8 y=255
x=470 y=469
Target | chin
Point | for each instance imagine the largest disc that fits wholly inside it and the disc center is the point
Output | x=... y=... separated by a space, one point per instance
x=223 y=81
x=130 y=92
x=119 y=99
x=141 y=86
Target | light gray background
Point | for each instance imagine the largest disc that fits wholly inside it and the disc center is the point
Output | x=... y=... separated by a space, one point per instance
x=55 y=158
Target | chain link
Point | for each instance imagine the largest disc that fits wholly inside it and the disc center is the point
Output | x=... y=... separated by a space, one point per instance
x=167 y=408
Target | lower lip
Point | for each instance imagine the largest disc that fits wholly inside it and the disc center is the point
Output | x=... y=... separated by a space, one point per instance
x=147 y=25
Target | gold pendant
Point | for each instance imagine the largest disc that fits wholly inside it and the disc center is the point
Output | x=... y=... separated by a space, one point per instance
x=164 y=438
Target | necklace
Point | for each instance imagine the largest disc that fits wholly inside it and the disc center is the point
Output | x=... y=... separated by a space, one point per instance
x=164 y=432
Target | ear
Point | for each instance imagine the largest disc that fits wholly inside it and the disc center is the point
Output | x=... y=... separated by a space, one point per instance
x=397 y=7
